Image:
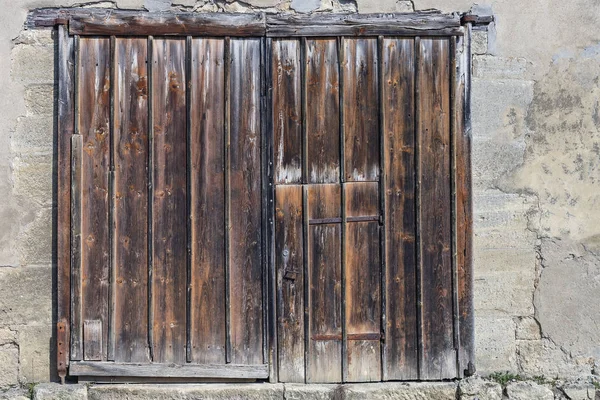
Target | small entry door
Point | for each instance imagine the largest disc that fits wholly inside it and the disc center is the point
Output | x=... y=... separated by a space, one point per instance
x=365 y=191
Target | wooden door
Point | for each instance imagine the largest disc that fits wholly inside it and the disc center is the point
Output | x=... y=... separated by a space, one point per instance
x=167 y=270
x=291 y=203
x=369 y=261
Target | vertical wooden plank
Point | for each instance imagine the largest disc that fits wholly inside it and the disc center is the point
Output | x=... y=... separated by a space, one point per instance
x=287 y=124
x=324 y=258
x=360 y=109
x=290 y=282
x=130 y=149
x=169 y=200
x=227 y=176
x=363 y=280
x=464 y=207
x=245 y=214
x=93 y=121
x=76 y=311
x=92 y=340
x=149 y=216
x=65 y=129
x=398 y=124
x=207 y=202
x=322 y=111
x=435 y=214
x=269 y=217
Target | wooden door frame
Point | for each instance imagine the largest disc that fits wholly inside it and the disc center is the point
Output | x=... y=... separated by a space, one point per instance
x=80 y=21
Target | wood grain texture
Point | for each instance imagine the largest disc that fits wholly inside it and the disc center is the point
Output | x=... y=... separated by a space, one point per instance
x=325 y=296
x=130 y=149
x=92 y=340
x=322 y=113
x=289 y=261
x=360 y=109
x=157 y=370
x=64 y=131
x=406 y=24
x=362 y=282
x=435 y=216
x=76 y=328
x=169 y=201
x=464 y=209
x=400 y=211
x=93 y=123
x=287 y=111
x=245 y=214
x=207 y=193
x=124 y=22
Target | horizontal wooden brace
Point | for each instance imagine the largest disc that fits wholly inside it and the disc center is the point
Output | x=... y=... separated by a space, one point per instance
x=351 y=336
x=476 y=20
x=84 y=368
x=101 y=21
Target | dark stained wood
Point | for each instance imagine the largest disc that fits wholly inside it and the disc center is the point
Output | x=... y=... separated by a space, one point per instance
x=324 y=258
x=464 y=209
x=130 y=150
x=123 y=22
x=65 y=128
x=322 y=113
x=407 y=24
x=76 y=331
x=435 y=214
x=362 y=286
x=245 y=214
x=360 y=109
x=157 y=370
x=207 y=202
x=289 y=262
x=400 y=213
x=287 y=111
x=92 y=340
x=169 y=200
x=93 y=124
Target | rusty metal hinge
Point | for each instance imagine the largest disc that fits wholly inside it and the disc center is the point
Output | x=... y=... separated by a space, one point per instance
x=61 y=350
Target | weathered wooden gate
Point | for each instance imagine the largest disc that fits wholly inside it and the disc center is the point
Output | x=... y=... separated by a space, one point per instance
x=254 y=197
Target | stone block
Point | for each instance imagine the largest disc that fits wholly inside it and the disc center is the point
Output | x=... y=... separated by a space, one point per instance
x=35 y=238
x=309 y=392
x=34 y=135
x=36 y=37
x=39 y=99
x=33 y=178
x=15 y=393
x=544 y=358
x=384 y=6
x=504 y=293
x=400 y=391
x=304 y=6
x=492 y=67
x=130 y=4
x=157 y=5
x=26 y=296
x=34 y=355
x=33 y=63
x=528 y=329
x=499 y=109
x=528 y=391
x=479 y=42
x=187 y=392
x=475 y=388
x=566 y=294
x=579 y=392
x=494 y=160
x=500 y=221
x=55 y=391
x=495 y=344
x=9 y=365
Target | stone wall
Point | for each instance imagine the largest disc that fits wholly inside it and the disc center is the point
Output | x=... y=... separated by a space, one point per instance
x=536 y=167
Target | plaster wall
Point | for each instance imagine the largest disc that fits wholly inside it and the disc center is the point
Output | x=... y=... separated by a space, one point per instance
x=536 y=174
